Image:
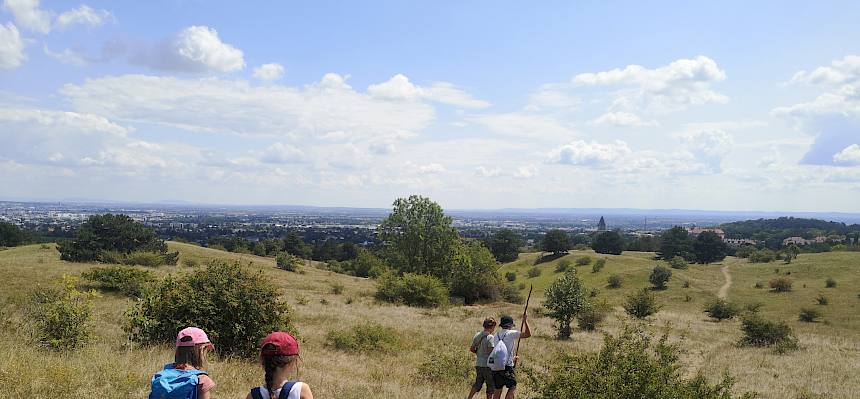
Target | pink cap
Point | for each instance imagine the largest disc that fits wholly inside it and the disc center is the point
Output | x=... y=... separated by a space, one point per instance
x=197 y=336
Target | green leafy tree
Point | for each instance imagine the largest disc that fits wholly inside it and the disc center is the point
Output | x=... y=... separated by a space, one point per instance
x=417 y=237
x=565 y=298
x=608 y=242
x=366 y=264
x=556 y=241
x=675 y=242
x=11 y=235
x=660 y=276
x=474 y=274
x=505 y=245
x=295 y=245
x=104 y=233
x=709 y=248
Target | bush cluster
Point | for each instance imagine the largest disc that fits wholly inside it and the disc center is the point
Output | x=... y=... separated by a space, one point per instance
x=678 y=262
x=139 y=258
x=809 y=315
x=592 y=314
x=721 y=309
x=62 y=315
x=115 y=239
x=583 y=261
x=781 y=284
x=761 y=332
x=235 y=306
x=641 y=304
x=290 y=263
x=365 y=338
x=125 y=280
x=614 y=281
x=412 y=289
x=511 y=276
x=447 y=366
x=830 y=283
x=511 y=294
x=533 y=272
x=561 y=267
x=762 y=256
x=659 y=277
x=598 y=265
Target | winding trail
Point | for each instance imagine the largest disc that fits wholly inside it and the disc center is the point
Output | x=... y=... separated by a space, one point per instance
x=724 y=290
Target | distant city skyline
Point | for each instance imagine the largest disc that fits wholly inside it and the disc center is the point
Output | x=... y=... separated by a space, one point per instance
x=730 y=106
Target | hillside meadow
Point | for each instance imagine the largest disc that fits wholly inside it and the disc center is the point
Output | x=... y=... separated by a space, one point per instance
x=112 y=367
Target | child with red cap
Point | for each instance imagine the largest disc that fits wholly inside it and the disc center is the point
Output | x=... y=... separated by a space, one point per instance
x=184 y=378
x=279 y=355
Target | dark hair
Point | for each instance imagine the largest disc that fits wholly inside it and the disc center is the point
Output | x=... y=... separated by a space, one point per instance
x=192 y=355
x=489 y=322
x=272 y=364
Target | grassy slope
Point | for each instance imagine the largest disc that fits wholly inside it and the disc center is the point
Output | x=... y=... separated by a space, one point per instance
x=827 y=364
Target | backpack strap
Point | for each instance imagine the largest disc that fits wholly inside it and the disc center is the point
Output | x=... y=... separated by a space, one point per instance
x=285 y=390
x=256 y=394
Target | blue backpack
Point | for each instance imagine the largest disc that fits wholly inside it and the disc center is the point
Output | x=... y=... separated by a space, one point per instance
x=257 y=393
x=173 y=383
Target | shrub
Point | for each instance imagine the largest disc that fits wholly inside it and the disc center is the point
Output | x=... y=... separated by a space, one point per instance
x=598 y=265
x=759 y=285
x=592 y=314
x=641 y=304
x=564 y=300
x=125 y=280
x=235 y=306
x=761 y=332
x=614 y=281
x=560 y=267
x=659 y=277
x=302 y=300
x=745 y=251
x=365 y=338
x=62 y=315
x=412 y=290
x=189 y=262
x=583 y=261
x=511 y=276
x=809 y=315
x=630 y=365
x=593 y=292
x=146 y=258
x=285 y=261
x=753 y=307
x=830 y=283
x=366 y=264
x=522 y=286
x=678 y=263
x=721 y=309
x=511 y=294
x=781 y=284
x=762 y=256
x=686 y=284
x=822 y=300
x=337 y=288
x=104 y=233
x=447 y=366
x=533 y=272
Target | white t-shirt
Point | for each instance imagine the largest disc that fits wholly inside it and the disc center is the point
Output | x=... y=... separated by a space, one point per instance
x=295 y=392
x=510 y=339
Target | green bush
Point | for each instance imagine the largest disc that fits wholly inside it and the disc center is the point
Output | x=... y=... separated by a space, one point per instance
x=762 y=256
x=761 y=332
x=150 y=259
x=781 y=284
x=123 y=279
x=631 y=365
x=62 y=315
x=564 y=299
x=598 y=265
x=235 y=306
x=659 y=277
x=721 y=309
x=592 y=314
x=745 y=251
x=641 y=304
x=290 y=263
x=809 y=315
x=448 y=366
x=822 y=300
x=189 y=262
x=511 y=294
x=104 y=233
x=562 y=266
x=830 y=283
x=583 y=261
x=614 y=281
x=412 y=290
x=511 y=276
x=678 y=262
x=337 y=288
x=365 y=338
x=753 y=307
x=366 y=264
x=533 y=272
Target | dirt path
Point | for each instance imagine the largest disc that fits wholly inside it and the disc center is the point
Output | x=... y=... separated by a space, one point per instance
x=724 y=290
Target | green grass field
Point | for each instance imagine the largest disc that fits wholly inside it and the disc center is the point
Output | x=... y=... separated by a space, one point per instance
x=111 y=367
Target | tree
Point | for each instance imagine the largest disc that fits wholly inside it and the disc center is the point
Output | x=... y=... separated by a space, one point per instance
x=366 y=264
x=675 y=242
x=565 y=297
x=791 y=253
x=709 y=247
x=660 y=276
x=417 y=237
x=556 y=241
x=101 y=234
x=474 y=274
x=11 y=235
x=505 y=245
x=294 y=244
x=608 y=242
x=327 y=250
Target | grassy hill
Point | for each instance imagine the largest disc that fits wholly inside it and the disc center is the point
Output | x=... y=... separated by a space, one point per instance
x=112 y=367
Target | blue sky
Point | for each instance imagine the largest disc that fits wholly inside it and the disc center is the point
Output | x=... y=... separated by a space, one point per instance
x=729 y=105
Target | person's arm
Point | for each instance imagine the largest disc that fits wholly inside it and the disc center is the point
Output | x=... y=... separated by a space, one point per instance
x=306 y=392
x=527 y=330
x=203 y=395
x=249 y=396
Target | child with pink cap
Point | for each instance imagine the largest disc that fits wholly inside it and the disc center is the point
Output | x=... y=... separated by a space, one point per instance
x=279 y=356
x=184 y=378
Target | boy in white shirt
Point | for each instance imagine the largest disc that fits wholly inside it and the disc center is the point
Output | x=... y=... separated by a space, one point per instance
x=507 y=378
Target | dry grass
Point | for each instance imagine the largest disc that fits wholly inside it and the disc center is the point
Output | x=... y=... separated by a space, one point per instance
x=111 y=367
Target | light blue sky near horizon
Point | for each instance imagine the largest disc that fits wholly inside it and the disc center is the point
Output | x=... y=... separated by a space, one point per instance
x=497 y=106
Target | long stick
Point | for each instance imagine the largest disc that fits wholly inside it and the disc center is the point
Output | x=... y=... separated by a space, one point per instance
x=523 y=324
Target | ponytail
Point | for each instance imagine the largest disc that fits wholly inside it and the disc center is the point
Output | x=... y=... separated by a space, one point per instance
x=271 y=364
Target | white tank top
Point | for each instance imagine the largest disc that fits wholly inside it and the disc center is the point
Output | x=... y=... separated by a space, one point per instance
x=295 y=392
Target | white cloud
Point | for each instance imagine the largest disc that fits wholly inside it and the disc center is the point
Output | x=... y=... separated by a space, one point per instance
x=400 y=88
x=675 y=86
x=552 y=96
x=846 y=70
x=483 y=171
x=28 y=15
x=526 y=172
x=11 y=47
x=83 y=15
x=589 y=153
x=382 y=148
x=622 y=119
x=282 y=153
x=525 y=125
x=430 y=168
x=201 y=46
x=708 y=147
x=269 y=72
x=67 y=56
x=849 y=155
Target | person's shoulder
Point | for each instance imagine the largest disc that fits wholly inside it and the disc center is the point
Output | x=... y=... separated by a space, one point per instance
x=205 y=382
x=305 y=391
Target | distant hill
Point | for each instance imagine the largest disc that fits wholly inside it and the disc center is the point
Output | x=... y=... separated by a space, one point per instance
x=783 y=227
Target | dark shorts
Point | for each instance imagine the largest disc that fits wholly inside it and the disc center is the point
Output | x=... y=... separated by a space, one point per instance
x=506 y=378
x=483 y=375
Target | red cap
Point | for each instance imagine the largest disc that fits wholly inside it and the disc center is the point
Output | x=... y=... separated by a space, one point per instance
x=280 y=344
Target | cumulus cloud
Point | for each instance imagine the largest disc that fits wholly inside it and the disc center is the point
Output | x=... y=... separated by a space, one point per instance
x=282 y=153
x=708 y=147
x=846 y=70
x=194 y=49
x=430 y=168
x=400 y=88
x=11 y=47
x=525 y=125
x=589 y=153
x=526 y=172
x=849 y=155
x=29 y=15
x=269 y=72
x=675 y=86
x=622 y=119
x=67 y=56
x=83 y=15
x=483 y=171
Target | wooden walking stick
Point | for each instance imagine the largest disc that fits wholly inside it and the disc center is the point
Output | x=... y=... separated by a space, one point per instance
x=523 y=324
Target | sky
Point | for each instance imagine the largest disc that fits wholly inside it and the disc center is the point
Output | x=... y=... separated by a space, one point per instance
x=478 y=104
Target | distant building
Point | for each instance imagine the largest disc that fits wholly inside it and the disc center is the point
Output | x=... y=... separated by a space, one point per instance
x=737 y=242
x=698 y=230
x=796 y=241
x=601 y=225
